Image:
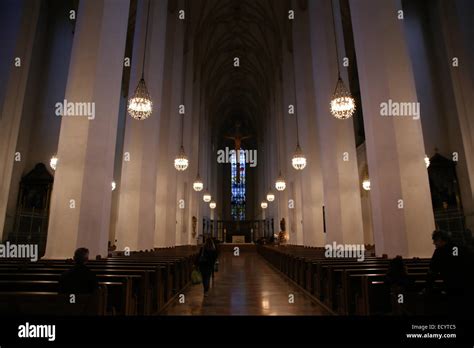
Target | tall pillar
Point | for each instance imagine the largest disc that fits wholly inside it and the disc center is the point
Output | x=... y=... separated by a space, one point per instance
x=280 y=113
x=198 y=112
x=81 y=199
x=166 y=205
x=455 y=20
x=310 y=178
x=17 y=42
x=136 y=218
x=336 y=137
x=400 y=194
x=292 y=193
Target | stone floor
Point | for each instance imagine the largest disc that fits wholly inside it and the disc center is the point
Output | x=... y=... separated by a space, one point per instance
x=245 y=285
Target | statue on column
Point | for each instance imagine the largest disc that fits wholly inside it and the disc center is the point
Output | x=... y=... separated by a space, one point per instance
x=282 y=237
x=193 y=234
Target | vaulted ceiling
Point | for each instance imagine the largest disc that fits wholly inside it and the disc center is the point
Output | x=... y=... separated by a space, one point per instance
x=253 y=31
x=256 y=32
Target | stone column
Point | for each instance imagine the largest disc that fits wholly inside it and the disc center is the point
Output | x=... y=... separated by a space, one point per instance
x=455 y=20
x=166 y=206
x=336 y=137
x=400 y=194
x=281 y=198
x=292 y=193
x=136 y=220
x=19 y=22
x=81 y=199
x=311 y=181
x=190 y=131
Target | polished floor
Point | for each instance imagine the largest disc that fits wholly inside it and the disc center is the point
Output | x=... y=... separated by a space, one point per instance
x=245 y=285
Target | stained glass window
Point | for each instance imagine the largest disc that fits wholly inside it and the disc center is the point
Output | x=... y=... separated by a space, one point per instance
x=237 y=183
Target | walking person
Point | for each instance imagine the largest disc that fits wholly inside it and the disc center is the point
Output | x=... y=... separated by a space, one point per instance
x=216 y=263
x=206 y=259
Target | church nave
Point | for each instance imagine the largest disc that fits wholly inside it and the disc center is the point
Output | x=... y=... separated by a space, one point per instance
x=245 y=285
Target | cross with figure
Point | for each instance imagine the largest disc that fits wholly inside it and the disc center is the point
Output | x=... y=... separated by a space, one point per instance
x=237 y=138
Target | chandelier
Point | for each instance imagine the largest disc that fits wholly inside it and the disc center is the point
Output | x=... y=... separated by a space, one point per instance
x=270 y=196
x=198 y=185
x=212 y=205
x=264 y=205
x=299 y=159
x=206 y=197
x=181 y=161
x=280 y=183
x=53 y=162
x=366 y=184
x=140 y=106
x=342 y=104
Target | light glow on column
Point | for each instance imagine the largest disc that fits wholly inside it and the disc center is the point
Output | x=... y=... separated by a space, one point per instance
x=366 y=184
x=53 y=162
x=427 y=161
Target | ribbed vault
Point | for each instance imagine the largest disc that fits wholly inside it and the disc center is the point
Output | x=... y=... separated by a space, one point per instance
x=251 y=30
x=238 y=99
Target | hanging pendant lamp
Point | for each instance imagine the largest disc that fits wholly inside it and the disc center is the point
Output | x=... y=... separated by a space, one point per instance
x=270 y=196
x=140 y=105
x=181 y=161
x=342 y=105
x=198 y=185
x=280 y=183
x=299 y=159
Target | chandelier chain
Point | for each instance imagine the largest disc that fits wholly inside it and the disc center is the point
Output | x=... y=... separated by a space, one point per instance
x=146 y=38
x=296 y=102
x=335 y=39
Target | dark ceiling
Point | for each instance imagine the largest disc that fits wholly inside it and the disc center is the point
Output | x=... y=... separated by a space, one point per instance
x=253 y=31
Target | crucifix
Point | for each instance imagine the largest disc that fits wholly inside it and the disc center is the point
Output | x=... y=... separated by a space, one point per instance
x=237 y=138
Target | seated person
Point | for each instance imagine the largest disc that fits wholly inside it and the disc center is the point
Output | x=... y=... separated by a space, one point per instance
x=399 y=283
x=454 y=265
x=397 y=275
x=79 y=279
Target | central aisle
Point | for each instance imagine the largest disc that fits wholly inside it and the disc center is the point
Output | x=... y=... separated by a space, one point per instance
x=245 y=285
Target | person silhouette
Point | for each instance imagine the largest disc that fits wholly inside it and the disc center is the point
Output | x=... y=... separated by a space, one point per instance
x=205 y=260
x=399 y=283
x=79 y=279
x=454 y=265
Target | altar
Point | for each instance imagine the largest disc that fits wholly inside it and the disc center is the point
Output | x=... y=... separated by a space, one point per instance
x=238 y=239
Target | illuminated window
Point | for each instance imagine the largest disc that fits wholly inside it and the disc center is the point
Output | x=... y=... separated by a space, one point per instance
x=237 y=188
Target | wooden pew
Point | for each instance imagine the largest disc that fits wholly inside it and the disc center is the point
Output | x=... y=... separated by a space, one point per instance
x=160 y=278
x=134 y=299
x=118 y=293
x=150 y=279
x=337 y=282
x=372 y=296
x=51 y=303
